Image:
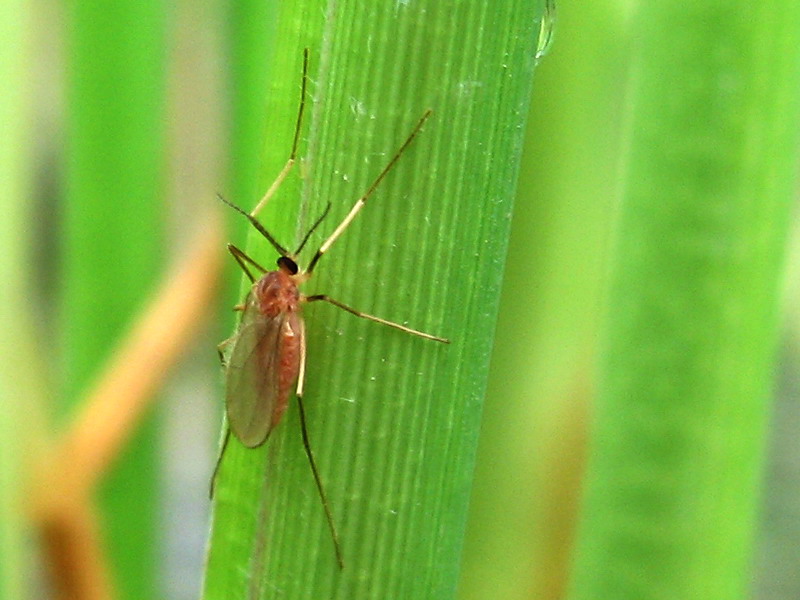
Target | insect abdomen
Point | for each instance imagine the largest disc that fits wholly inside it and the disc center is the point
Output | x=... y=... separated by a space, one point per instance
x=288 y=363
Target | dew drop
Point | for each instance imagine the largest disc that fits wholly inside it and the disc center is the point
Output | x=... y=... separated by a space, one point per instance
x=547 y=25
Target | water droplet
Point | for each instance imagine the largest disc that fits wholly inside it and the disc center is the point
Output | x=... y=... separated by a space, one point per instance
x=547 y=26
x=357 y=107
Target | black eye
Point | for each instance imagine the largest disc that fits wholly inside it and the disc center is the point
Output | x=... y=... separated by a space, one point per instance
x=284 y=262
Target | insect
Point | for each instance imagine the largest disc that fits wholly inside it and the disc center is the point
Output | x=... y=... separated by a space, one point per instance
x=268 y=355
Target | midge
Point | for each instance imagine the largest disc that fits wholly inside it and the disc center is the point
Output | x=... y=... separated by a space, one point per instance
x=268 y=356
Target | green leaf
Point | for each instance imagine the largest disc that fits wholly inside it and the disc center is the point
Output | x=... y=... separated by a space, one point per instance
x=688 y=350
x=533 y=434
x=393 y=419
x=112 y=249
x=23 y=382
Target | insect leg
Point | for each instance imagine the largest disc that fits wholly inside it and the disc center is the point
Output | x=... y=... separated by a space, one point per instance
x=358 y=313
x=213 y=483
x=363 y=200
x=293 y=154
x=220 y=349
x=307 y=447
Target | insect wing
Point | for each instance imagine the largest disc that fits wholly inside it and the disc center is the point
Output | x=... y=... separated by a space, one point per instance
x=253 y=376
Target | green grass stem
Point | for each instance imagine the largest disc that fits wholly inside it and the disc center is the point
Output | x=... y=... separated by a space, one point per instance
x=111 y=249
x=687 y=355
x=393 y=419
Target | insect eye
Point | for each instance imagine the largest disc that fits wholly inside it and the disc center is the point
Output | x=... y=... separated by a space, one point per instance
x=286 y=263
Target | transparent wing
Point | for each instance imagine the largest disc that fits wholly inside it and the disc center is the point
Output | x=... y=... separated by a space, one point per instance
x=253 y=376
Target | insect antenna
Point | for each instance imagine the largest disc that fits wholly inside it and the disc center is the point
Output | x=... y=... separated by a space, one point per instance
x=313 y=228
x=259 y=227
x=243 y=260
x=363 y=199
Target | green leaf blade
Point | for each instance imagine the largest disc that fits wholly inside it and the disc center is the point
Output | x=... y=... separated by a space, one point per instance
x=393 y=419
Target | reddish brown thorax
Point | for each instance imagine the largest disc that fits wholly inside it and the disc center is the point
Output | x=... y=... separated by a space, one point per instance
x=276 y=293
x=277 y=297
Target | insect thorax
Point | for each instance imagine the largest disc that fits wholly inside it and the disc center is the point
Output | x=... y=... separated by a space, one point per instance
x=276 y=292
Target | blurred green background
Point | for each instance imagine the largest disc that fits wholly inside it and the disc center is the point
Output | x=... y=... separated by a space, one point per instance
x=66 y=227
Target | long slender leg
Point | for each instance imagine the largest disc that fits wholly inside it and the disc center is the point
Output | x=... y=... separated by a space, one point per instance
x=358 y=313
x=213 y=483
x=293 y=154
x=363 y=199
x=307 y=447
x=301 y=372
x=251 y=216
